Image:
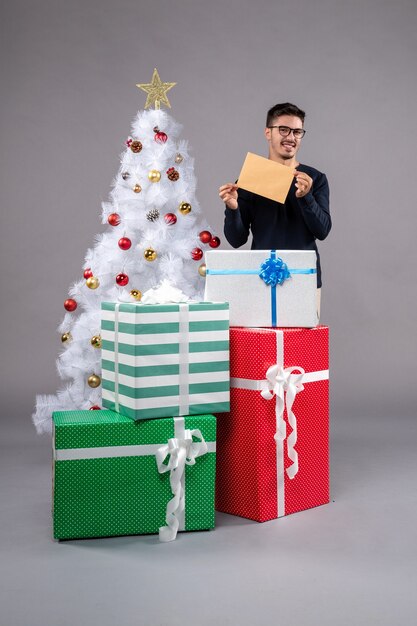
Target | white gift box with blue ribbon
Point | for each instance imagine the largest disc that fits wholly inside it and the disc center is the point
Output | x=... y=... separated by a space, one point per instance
x=273 y=288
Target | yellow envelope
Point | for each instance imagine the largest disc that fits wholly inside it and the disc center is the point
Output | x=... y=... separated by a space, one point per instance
x=265 y=177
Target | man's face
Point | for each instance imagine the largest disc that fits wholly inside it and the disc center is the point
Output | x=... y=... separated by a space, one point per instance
x=283 y=147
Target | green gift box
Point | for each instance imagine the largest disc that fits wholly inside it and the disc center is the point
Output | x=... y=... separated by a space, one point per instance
x=165 y=359
x=114 y=476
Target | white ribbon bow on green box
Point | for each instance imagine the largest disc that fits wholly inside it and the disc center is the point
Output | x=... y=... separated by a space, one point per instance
x=181 y=452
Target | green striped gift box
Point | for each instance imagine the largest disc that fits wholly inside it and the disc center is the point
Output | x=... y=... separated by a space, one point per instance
x=106 y=480
x=165 y=359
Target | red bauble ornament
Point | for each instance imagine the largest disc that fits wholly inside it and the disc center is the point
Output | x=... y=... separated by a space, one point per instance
x=170 y=219
x=114 y=219
x=95 y=407
x=197 y=254
x=205 y=236
x=124 y=243
x=160 y=137
x=87 y=273
x=122 y=279
x=214 y=243
x=70 y=305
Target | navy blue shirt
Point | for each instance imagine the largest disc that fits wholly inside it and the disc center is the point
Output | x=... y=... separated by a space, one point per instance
x=294 y=225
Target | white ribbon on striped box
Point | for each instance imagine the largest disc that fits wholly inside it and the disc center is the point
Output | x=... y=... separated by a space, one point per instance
x=182 y=358
x=284 y=384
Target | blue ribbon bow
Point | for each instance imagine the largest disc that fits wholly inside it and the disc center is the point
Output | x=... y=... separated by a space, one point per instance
x=274 y=271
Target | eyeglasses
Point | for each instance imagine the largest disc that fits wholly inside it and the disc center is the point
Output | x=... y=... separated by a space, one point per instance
x=284 y=131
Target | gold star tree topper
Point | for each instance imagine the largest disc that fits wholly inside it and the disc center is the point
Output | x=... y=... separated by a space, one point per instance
x=157 y=91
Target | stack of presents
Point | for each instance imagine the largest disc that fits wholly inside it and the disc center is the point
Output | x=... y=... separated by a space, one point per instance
x=202 y=415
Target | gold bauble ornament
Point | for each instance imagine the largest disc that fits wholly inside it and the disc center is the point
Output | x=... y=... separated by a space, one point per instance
x=150 y=254
x=137 y=188
x=202 y=270
x=135 y=293
x=179 y=158
x=66 y=337
x=154 y=176
x=94 y=381
x=92 y=282
x=96 y=341
x=184 y=208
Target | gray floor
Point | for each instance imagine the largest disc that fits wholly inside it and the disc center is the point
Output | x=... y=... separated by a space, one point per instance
x=351 y=562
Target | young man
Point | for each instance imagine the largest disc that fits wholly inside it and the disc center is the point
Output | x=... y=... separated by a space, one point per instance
x=303 y=218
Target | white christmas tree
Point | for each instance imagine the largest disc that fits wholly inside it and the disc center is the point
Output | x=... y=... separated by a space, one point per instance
x=156 y=235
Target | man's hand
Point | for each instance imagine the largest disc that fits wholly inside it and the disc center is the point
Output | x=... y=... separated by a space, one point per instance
x=303 y=183
x=228 y=193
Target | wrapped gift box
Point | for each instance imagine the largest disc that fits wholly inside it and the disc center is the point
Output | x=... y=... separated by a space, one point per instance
x=264 y=287
x=273 y=446
x=114 y=476
x=166 y=359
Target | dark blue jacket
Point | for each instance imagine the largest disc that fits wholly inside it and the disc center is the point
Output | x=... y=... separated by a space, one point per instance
x=294 y=225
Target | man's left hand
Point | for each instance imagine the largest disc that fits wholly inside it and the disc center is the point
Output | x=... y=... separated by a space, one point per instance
x=303 y=183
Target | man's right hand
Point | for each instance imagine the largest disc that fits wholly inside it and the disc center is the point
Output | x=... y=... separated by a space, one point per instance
x=228 y=193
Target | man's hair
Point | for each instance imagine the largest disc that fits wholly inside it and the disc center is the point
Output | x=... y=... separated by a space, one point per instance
x=286 y=108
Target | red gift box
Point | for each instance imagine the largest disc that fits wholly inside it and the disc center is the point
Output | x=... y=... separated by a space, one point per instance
x=273 y=446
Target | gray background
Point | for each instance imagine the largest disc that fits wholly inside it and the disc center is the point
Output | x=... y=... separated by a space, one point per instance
x=68 y=75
